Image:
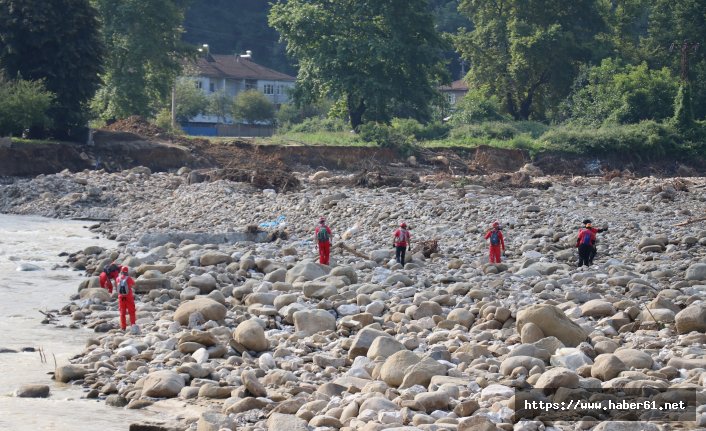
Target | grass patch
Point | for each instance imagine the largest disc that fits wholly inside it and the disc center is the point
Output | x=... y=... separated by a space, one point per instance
x=33 y=141
x=339 y=139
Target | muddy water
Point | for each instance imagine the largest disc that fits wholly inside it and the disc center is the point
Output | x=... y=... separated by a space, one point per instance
x=38 y=241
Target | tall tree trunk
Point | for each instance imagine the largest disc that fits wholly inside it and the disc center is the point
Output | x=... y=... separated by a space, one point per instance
x=355 y=111
x=510 y=106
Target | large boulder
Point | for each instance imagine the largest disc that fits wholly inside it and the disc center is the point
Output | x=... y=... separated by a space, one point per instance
x=151 y=279
x=67 y=373
x=392 y=371
x=205 y=283
x=250 y=335
x=692 y=318
x=558 y=377
x=162 y=384
x=210 y=309
x=384 y=347
x=32 y=391
x=306 y=270
x=696 y=271
x=96 y=294
x=607 y=366
x=214 y=258
x=553 y=323
x=422 y=372
x=313 y=321
x=283 y=422
x=363 y=340
x=597 y=308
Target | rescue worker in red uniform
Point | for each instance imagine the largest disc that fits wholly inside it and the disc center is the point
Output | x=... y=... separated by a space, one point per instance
x=588 y=253
x=126 y=298
x=322 y=237
x=496 y=241
x=109 y=275
x=402 y=241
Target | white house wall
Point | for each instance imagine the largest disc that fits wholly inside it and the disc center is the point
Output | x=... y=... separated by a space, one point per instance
x=234 y=86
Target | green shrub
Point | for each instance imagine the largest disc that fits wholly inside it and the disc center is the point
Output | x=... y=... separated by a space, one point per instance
x=314 y=125
x=613 y=93
x=253 y=107
x=422 y=132
x=683 y=111
x=497 y=130
x=477 y=106
x=386 y=137
x=648 y=139
x=23 y=106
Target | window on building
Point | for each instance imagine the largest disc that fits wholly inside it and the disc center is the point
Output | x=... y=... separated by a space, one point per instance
x=451 y=98
x=278 y=89
x=268 y=89
x=251 y=84
x=199 y=84
x=212 y=87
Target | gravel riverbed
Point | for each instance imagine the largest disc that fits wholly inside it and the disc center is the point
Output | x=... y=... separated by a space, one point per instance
x=244 y=324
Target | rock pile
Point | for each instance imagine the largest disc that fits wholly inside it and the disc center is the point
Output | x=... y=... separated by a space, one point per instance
x=266 y=338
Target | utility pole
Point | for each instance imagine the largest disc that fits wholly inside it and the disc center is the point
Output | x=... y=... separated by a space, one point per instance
x=174 y=105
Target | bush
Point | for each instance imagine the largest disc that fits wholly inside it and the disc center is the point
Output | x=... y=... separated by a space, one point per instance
x=477 y=106
x=23 y=106
x=649 y=139
x=621 y=94
x=253 y=107
x=315 y=125
x=422 y=132
x=386 y=137
x=496 y=130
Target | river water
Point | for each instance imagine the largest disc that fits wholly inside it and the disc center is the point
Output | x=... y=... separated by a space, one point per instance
x=37 y=240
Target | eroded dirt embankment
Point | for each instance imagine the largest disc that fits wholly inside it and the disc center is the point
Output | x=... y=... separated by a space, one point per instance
x=133 y=142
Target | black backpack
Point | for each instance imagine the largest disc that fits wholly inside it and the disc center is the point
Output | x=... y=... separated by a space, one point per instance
x=108 y=269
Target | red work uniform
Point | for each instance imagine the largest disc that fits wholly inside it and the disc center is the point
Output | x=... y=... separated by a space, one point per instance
x=126 y=302
x=324 y=246
x=496 y=248
x=108 y=276
x=402 y=239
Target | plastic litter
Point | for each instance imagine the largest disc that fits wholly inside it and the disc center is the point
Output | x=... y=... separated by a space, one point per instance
x=273 y=223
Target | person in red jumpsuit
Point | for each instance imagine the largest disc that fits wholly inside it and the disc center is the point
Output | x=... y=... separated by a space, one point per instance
x=497 y=242
x=126 y=298
x=109 y=275
x=322 y=237
x=587 y=224
x=401 y=240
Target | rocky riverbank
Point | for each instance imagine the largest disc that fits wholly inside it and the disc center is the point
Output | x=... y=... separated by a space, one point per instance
x=237 y=318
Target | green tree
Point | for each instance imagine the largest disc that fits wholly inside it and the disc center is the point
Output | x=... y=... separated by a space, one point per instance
x=220 y=104
x=622 y=94
x=528 y=51
x=144 y=50
x=673 y=22
x=58 y=43
x=23 y=105
x=374 y=55
x=190 y=101
x=252 y=106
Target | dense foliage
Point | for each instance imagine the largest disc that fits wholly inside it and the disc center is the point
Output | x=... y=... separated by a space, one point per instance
x=252 y=107
x=23 y=106
x=58 y=43
x=144 y=51
x=376 y=56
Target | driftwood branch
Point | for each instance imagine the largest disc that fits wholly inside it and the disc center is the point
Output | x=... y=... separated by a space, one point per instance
x=690 y=221
x=351 y=250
